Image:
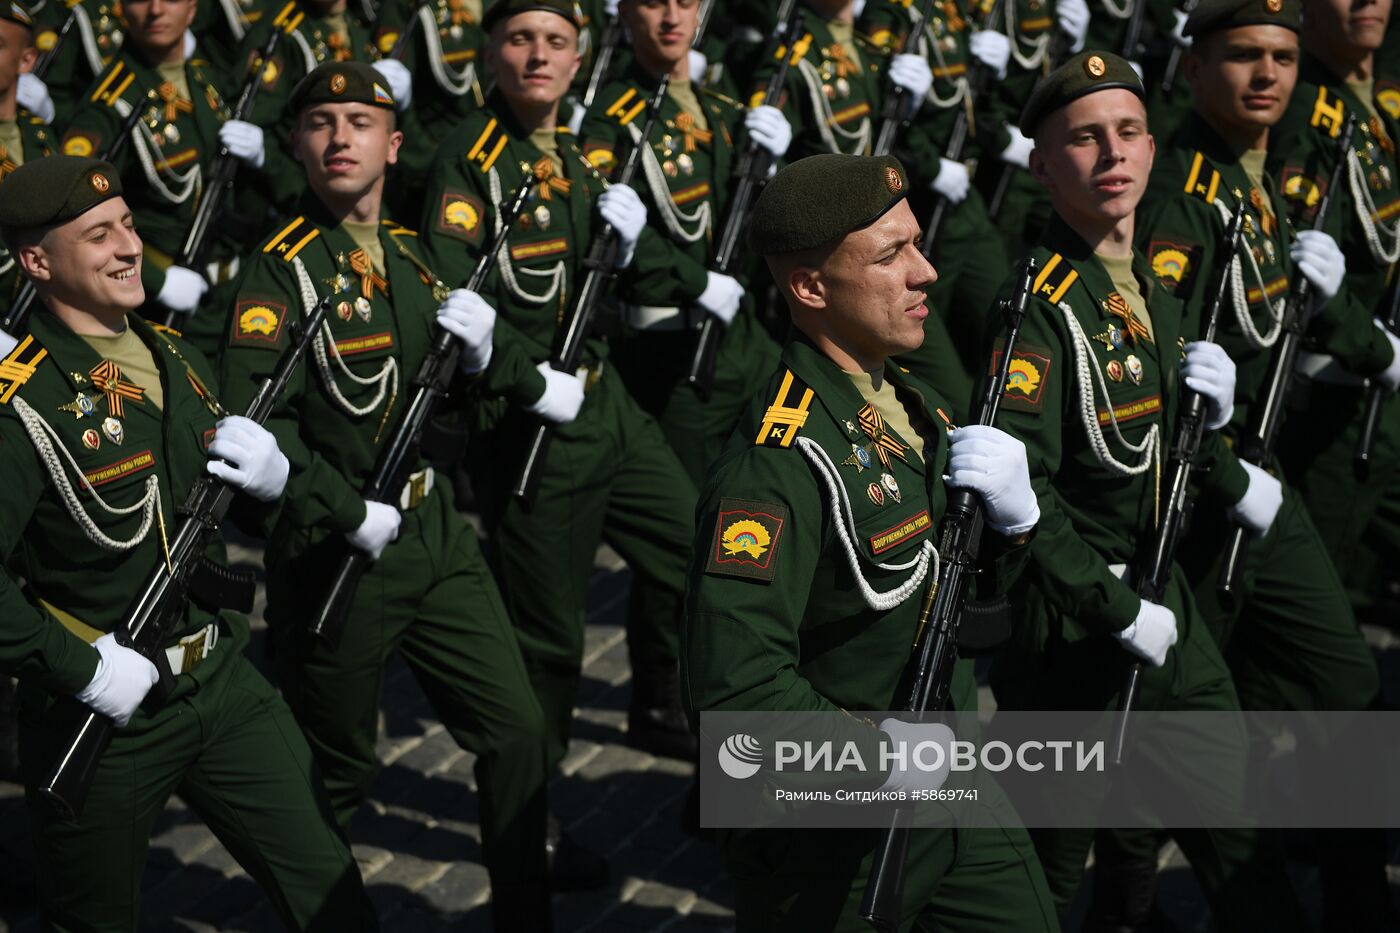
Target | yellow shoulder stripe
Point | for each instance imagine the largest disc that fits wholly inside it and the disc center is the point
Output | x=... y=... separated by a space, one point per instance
x=1197 y=182
x=1055 y=279
x=784 y=419
x=283 y=245
x=107 y=81
x=17 y=368
x=487 y=149
x=624 y=109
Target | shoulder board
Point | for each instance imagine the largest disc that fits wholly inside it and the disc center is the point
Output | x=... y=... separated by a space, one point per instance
x=1055 y=279
x=787 y=413
x=289 y=17
x=396 y=229
x=164 y=329
x=627 y=106
x=488 y=146
x=289 y=241
x=113 y=84
x=1202 y=180
x=19 y=366
x=1329 y=112
x=563 y=130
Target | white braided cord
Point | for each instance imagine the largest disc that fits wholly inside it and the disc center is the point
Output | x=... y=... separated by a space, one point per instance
x=144 y=143
x=1116 y=11
x=1040 y=44
x=1240 y=300
x=826 y=117
x=455 y=83
x=672 y=216
x=233 y=14
x=1366 y=213
x=1086 y=377
x=90 y=49
x=507 y=268
x=929 y=46
x=387 y=378
x=311 y=61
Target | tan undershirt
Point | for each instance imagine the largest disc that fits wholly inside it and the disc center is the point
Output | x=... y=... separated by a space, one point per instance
x=12 y=141
x=893 y=410
x=339 y=25
x=134 y=360
x=683 y=93
x=1252 y=161
x=366 y=237
x=1120 y=270
x=845 y=34
x=547 y=141
x=175 y=74
x=1365 y=92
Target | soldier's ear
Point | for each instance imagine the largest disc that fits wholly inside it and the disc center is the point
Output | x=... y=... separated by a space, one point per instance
x=34 y=260
x=807 y=286
x=27 y=59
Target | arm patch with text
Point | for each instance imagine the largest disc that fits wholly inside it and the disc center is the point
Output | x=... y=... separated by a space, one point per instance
x=746 y=540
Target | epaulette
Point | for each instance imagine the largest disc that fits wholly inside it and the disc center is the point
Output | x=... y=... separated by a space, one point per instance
x=19 y=366
x=396 y=229
x=1199 y=183
x=488 y=146
x=1055 y=279
x=1328 y=114
x=114 y=84
x=629 y=105
x=289 y=17
x=291 y=238
x=787 y=414
x=164 y=329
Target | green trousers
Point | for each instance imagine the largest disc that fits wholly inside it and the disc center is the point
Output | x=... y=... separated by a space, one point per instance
x=431 y=598
x=609 y=477
x=233 y=752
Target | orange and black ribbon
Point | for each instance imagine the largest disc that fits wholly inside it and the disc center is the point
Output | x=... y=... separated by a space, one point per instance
x=174 y=103
x=841 y=62
x=1117 y=306
x=873 y=424
x=550 y=180
x=7 y=164
x=107 y=379
x=692 y=132
x=369 y=279
x=1261 y=207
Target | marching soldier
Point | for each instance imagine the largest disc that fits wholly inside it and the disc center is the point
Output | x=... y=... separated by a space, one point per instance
x=93 y=40
x=185 y=106
x=23 y=135
x=688 y=165
x=95 y=399
x=609 y=474
x=785 y=613
x=1094 y=398
x=429 y=595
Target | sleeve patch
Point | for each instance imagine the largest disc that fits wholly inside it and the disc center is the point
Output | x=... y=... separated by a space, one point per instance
x=258 y=321
x=462 y=216
x=80 y=144
x=747 y=537
x=271 y=72
x=1389 y=99
x=1303 y=189
x=1025 y=378
x=1170 y=261
x=600 y=155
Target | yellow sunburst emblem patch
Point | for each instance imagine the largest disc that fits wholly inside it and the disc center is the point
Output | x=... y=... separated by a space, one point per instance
x=462 y=214
x=1302 y=188
x=1169 y=264
x=258 y=319
x=77 y=146
x=1022 y=377
x=745 y=537
x=1389 y=98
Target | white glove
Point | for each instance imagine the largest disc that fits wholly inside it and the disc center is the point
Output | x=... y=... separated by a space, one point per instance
x=699 y=64
x=1073 y=16
x=993 y=464
x=1151 y=634
x=623 y=208
x=400 y=81
x=183 y=289
x=1391 y=377
x=1209 y=370
x=254 y=462
x=992 y=49
x=1260 y=503
x=1180 y=17
x=1018 y=149
x=190 y=42
x=381 y=525
x=721 y=296
x=244 y=141
x=610 y=7
x=917 y=739
x=770 y=129
x=7 y=343
x=33 y=95
x=122 y=680
x=471 y=319
x=1321 y=261
x=562 y=398
x=912 y=73
x=952 y=181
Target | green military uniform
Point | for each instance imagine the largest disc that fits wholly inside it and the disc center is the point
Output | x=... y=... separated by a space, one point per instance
x=36 y=140
x=163 y=165
x=71 y=420
x=686 y=173
x=91 y=43
x=801 y=598
x=968 y=254
x=1320 y=438
x=429 y=597
x=219 y=28
x=610 y=474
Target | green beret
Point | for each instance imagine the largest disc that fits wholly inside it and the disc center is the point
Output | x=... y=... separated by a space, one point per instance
x=504 y=9
x=54 y=189
x=341 y=83
x=1213 y=15
x=1083 y=74
x=820 y=199
x=16 y=13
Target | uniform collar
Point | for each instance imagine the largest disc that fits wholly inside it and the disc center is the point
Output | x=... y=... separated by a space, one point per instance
x=75 y=357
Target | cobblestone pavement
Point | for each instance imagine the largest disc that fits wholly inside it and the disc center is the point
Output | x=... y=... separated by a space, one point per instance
x=418 y=843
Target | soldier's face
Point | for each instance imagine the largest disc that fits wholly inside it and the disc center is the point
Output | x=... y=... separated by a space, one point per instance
x=1345 y=25
x=1094 y=156
x=534 y=56
x=92 y=262
x=345 y=148
x=662 y=30
x=157 y=27
x=868 y=294
x=1243 y=77
x=16 y=54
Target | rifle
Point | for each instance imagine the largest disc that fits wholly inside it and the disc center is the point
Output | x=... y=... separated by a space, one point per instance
x=386 y=480
x=960 y=537
x=957 y=139
x=183 y=574
x=1132 y=35
x=406 y=35
x=1266 y=419
x=612 y=36
x=1174 y=58
x=18 y=313
x=1186 y=443
x=900 y=106
x=752 y=171
x=45 y=61
x=600 y=261
x=1375 y=395
x=222 y=170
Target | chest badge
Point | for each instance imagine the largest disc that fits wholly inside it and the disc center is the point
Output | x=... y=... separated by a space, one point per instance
x=113 y=430
x=80 y=407
x=1134 y=369
x=91 y=439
